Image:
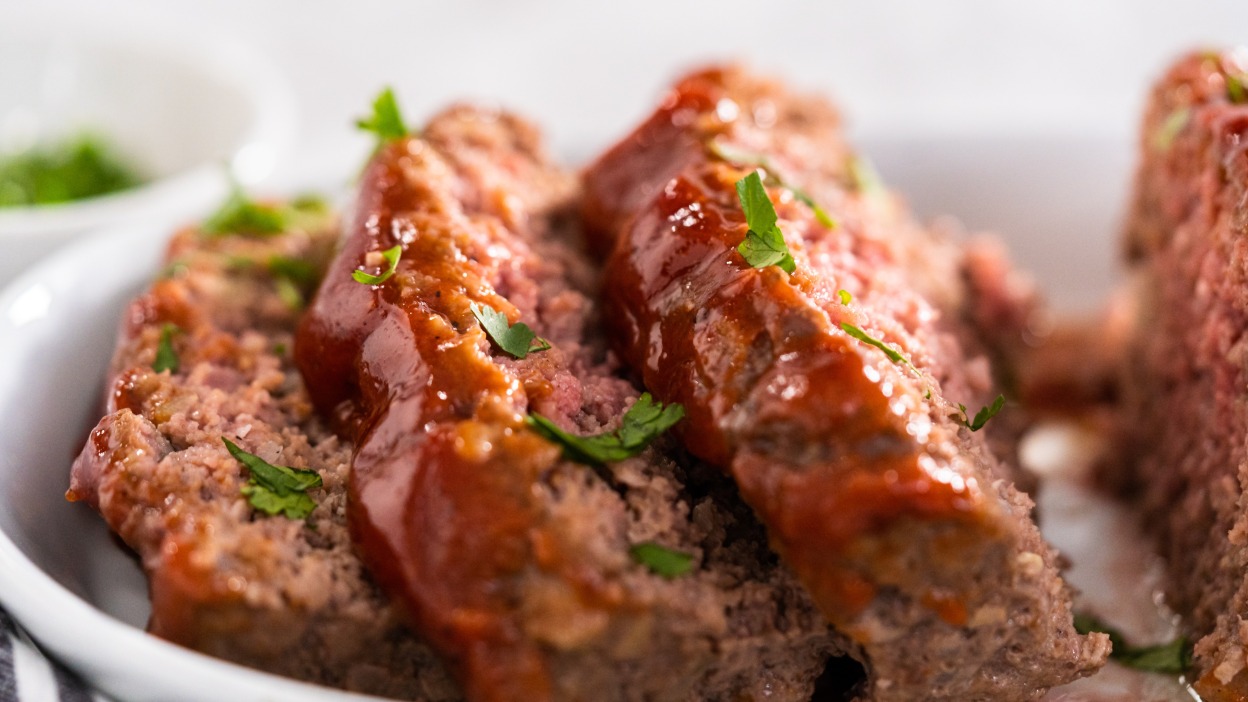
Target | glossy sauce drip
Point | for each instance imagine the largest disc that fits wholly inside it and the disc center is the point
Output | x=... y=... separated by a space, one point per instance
x=775 y=393
x=764 y=379
x=441 y=501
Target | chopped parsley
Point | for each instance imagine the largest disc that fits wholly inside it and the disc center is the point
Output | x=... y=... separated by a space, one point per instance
x=982 y=416
x=240 y=214
x=276 y=489
x=644 y=422
x=846 y=298
x=764 y=242
x=166 y=356
x=1170 y=129
x=1235 y=88
x=311 y=203
x=661 y=560
x=386 y=122
x=516 y=339
x=1174 y=657
x=893 y=355
x=391 y=257
x=294 y=279
x=821 y=215
x=289 y=293
x=863 y=177
x=296 y=270
x=747 y=158
x=78 y=168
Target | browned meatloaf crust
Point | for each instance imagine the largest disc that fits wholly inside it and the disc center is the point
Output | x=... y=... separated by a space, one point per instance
x=510 y=559
x=1184 y=383
x=903 y=524
x=273 y=593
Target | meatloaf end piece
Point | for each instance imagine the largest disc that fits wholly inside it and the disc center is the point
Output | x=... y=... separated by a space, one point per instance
x=511 y=559
x=283 y=595
x=836 y=415
x=1185 y=376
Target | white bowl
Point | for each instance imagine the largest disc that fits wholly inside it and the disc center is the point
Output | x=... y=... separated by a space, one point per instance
x=61 y=575
x=67 y=582
x=181 y=109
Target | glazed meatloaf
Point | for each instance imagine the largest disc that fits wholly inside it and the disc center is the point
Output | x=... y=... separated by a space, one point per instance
x=1185 y=406
x=204 y=354
x=538 y=571
x=829 y=390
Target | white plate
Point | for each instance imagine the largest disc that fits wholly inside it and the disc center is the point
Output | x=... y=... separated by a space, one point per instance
x=61 y=575
x=68 y=583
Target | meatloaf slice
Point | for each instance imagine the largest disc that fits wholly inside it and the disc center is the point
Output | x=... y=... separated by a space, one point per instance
x=515 y=562
x=1185 y=377
x=830 y=394
x=283 y=595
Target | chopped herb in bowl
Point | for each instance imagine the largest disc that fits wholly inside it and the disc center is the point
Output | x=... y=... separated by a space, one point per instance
x=75 y=169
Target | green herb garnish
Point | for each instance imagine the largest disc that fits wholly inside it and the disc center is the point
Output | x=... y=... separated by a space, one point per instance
x=516 y=339
x=240 y=214
x=386 y=121
x=76 y=169
x=296 y=270
x=661 y=560
x=1165 y=135
x=276 y=489
x=1235 y=88
x=863 y=177
x=312 y=203
x=166 y=357
x=1174 y=657
x=642 y=424
x=764 y=242
x=289 y=293
x=294 y=278
x=391 y=256
x=866 y=338
x=982 y=416
x=846 y=298
x=749 y=158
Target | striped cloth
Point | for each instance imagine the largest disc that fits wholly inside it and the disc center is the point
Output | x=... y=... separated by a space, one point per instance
x=26 y=676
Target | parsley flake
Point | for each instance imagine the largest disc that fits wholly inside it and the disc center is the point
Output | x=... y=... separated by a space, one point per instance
x=893 y=355
x=391 y=257
x=83 y=167
x=863 y=177
x=982 y=416
x=297 y=270
x=240 y=214
x=661 y=560
x=1174 y=657
x=276 y=489
x=644 y=422
x=166 y=356
x=312 y=203
x=748 y=158
x=846 y=298
x=1170 y=129
x=516 y=339
x=386 y=121
x=294 y=278
x=1235 y=88
x=764 y=242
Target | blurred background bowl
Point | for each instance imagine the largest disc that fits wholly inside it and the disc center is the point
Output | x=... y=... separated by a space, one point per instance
x=179 y=110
